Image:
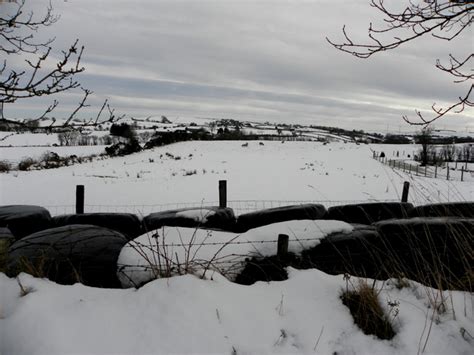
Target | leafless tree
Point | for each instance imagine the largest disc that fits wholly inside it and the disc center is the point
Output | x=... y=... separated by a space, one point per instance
x=42 y=75
x=424 y=138
x=443 y=20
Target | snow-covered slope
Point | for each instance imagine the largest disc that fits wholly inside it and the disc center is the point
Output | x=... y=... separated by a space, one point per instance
x=190 y=171
x=185 y=314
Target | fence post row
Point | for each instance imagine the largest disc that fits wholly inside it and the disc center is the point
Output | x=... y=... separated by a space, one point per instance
x=222 y=193
x=406 y=188
x=79 y=199
x=282 y=247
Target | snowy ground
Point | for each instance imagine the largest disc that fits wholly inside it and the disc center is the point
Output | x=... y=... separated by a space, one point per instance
x=214 y=316
x=186 y=174
x=16 y=154
x=27 y=139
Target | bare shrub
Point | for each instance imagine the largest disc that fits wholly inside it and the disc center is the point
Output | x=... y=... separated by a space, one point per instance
x=26 y=164
x=5 y=166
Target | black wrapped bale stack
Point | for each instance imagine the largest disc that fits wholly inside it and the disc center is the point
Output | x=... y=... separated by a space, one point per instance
x=69 y=254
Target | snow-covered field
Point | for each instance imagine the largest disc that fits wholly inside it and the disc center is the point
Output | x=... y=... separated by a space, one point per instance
x=189 y=172
x=186 y=314
x=214 y=316
x=16 y=154
x=16 y=147
x=27 y=139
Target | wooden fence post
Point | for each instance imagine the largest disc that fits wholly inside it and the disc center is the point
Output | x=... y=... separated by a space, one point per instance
x=79 y=199
x=462 y=173
x=282 y=250
x=406 y=188
x=436 y=171
x=425 y=169
x=222 y=193
x=447 y=172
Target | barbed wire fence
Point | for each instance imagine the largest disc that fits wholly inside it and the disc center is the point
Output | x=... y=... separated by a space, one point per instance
x=164 y=259
x=239 y=206
x=445 y=172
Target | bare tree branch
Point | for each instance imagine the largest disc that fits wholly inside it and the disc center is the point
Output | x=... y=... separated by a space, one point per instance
x=444 y=20
x=44 y=75
x=17 y=43
x=457 y=107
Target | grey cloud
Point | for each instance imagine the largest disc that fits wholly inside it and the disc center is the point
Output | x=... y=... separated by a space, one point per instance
x=256 y=59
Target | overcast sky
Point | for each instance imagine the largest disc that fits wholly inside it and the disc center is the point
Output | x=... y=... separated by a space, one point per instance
x=248 y=60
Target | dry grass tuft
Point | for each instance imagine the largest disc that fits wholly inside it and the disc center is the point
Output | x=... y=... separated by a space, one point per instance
x=367 y=312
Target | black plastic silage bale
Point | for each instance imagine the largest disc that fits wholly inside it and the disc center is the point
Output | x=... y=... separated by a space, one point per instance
x=126 y=223
x=69 y=254
x=353 y=253
x=264 y=217
x=451 y=209
x=434 y=251
x=198 y=217
x=23 y=220
x=367 y=213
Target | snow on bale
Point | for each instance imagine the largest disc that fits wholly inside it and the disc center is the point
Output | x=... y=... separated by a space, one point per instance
x=69 y=254
x=203 y=217
x=437 y=252
x=451 y=209
x=126 y=223
x=367 y=213
x=279 y=214
x=173 y=251
x=23 y=220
